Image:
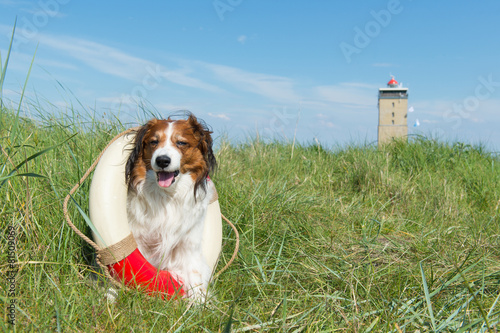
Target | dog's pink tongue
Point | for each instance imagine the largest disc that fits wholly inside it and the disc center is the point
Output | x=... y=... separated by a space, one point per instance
x=165 y=179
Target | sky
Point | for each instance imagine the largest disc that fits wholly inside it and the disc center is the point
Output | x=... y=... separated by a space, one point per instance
x=304 y=69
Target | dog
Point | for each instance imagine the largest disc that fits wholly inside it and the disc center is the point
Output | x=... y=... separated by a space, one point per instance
x=169 y=189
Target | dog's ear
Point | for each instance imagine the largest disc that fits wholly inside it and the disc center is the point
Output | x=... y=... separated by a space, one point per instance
x=210 y=157
x=202 y=133
x=205 y=141
x=136 y=154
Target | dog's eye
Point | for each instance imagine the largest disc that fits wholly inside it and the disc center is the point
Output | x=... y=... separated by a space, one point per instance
x=181 y=143
x=154 y=143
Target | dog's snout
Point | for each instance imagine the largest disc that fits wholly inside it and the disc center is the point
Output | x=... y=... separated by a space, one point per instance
x=163 y=161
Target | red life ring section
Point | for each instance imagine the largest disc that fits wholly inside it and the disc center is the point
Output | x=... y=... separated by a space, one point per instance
x=135 y=270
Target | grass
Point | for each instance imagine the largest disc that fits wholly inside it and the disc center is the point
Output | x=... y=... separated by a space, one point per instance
x=350 y=240
x=354 y=239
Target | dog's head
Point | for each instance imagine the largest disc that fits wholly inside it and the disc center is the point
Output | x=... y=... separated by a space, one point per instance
x=167 y=148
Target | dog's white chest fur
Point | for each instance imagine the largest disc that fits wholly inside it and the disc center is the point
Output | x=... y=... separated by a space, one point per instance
x=168 y=225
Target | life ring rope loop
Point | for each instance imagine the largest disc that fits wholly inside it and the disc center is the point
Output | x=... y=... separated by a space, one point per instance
x=70 y=194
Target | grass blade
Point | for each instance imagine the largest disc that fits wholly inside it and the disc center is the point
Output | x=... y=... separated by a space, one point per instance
x=227 y=328
x=87 y=220
x=14 y=131
x=427 y=297
x=278 y=258
x=452 y=316
x=27 y=174
x=35 y=155
x=493 y=306
x=3 y=70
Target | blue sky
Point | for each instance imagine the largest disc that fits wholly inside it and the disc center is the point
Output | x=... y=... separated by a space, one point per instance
x=304 y=68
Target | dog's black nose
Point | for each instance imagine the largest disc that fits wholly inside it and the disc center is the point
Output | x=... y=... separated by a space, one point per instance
x=163 y=161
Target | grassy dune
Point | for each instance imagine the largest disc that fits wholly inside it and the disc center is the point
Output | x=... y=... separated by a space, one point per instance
x=351 y=240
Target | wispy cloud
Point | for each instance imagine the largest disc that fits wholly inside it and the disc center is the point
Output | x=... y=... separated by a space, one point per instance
x=209 y=77
x=274 y=87
x=103 y=58
x=117 y=100
x=219 y=115
x=362 y=85
x=384 y=64
x=171 y=108
x=450 y=114
x=181 y=78
x=348 y=94
x=242 y=39
x=43 y=62
x=193 y=74
x=44 y=12
x=112 y=61
x=327 y=124
x=14 y=3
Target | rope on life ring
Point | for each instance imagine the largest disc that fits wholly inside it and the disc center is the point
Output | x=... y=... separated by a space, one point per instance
x=97 y=247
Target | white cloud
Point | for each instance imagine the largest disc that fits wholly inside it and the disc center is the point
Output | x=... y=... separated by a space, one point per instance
x=13 y=3
x=220 y=115
x=384 y=64
x=348 y=94
x=242 y=39
x=373 y=87
x=45 y=12
x=327 y=124
x=274 y=87
x=53 y=63
x=314 y=104
x=183 y=79
x=123 y=100
x=218 y=79
x=100 y=57
x=114 y=62
x=172 y=107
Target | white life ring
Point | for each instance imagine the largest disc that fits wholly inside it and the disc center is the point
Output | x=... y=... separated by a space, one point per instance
x=108 y=213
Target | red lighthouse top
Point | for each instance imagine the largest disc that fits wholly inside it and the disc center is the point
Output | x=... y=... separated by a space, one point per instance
x=392 y=83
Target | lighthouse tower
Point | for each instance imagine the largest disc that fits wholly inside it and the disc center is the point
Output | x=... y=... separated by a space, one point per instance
x=392 y=112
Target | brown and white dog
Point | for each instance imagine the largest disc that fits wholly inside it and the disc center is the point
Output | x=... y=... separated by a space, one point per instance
x=169 y=190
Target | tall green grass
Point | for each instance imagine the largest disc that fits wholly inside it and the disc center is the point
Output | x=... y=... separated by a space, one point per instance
x=353 y=239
